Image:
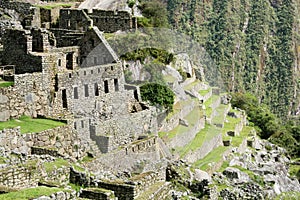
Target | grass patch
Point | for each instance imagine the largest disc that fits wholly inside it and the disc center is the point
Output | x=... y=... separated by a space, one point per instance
x=220 y=118
x=2 y=160
x=288 y=196
x=257 y=178
x=204 y=92
x=58 y=163
x=205 y=134
x=213 y=157
x=192 y=118
x=30 y=125
x=51 y=6
x=294 y=170
x=30 y=193
x=78 y=168
x=237 y=140
x=6 y=84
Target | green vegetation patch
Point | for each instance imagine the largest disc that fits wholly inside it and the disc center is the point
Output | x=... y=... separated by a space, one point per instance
x=204 y=92
x=192 y=118
x=214 y=156
x=55 y=5
x=30 y=125
x=288 y=196
x=191 y=85
x=219 y=119
x=6 y=84
x=204 y=135
x=30 y=193
x=58 y=163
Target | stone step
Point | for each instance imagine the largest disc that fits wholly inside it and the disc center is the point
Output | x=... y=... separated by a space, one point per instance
x=158 y=191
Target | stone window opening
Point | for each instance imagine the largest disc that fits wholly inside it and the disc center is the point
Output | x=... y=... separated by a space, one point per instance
x=75 y=92
x=59 y=62
x=70 y=75
x=69 y=59
x=136 y=96
x=116 y=84
x=82 y=124
x=92 y=72
x=64 y=98
x=98 y=70
x=112 y=67
x=75 y=125
x=69 y=23
x=56 y=83
x=106 y=88
x=96 y=89
x=34 y=85
x=84 y=72
x=95 y=61
x=86 y=90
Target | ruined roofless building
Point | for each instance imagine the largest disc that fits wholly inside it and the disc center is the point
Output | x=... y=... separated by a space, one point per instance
x=70 y=72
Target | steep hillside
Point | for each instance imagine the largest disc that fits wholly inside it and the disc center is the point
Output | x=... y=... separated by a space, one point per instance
x=253 y=43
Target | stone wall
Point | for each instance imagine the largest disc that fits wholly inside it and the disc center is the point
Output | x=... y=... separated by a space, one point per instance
x=133 y=157
x=96 y=193
x=29 y=96
x=11 y=140
x=16 y=44
x=124 y=129
x=206 y=147
x=183 y=139
x=107 y=21
x=22 y=176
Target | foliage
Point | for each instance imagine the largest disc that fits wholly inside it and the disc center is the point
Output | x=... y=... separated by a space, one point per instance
x=30 y=193
x=252 y=43
x=160 y=55
x=267 y=124
x=58 y=163
x=30 y=125
x=158 y=95
x=6 y=84
x=156 y=12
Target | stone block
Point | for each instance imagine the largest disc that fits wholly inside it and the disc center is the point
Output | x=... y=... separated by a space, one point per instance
x=4 y=115
x=3 y=99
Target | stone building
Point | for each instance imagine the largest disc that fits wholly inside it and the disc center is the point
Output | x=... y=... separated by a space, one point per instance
x=72 y=73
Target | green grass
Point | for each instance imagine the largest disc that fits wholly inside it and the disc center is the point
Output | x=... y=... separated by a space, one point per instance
x=219 y=119
x=6 y=83
x=30 y=193
x=192 y=118
x=58 y=163
x=55 y=5
x=257 y=178
x=288 y=196
x=237 y=140
x=29 y=125
x=208 y=103
x=2 y=160
x=204 y=92
x=213 y=157
x=191 y=85
x=204 y=135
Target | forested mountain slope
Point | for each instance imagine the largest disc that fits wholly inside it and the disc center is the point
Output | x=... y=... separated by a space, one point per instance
x=255 y=45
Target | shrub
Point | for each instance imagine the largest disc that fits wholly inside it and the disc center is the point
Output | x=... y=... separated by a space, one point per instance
x=158 y=95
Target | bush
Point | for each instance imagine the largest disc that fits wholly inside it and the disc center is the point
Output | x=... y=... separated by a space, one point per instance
x=158 y=95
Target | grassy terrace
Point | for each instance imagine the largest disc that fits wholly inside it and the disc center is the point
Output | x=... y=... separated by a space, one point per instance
x=191 y=85
x=204 y=135
x=30 y=193
x=179 y=106
x=6 y=83
x=238 y=139
x=204 y=92
x=58 y=163
x=29 y=125
x=213 y=157
x=55 y=5
x=220 y=116
x=192 y=118
x=208 y=103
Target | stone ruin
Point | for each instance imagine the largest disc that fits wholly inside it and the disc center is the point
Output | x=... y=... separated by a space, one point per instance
x=65 y=69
